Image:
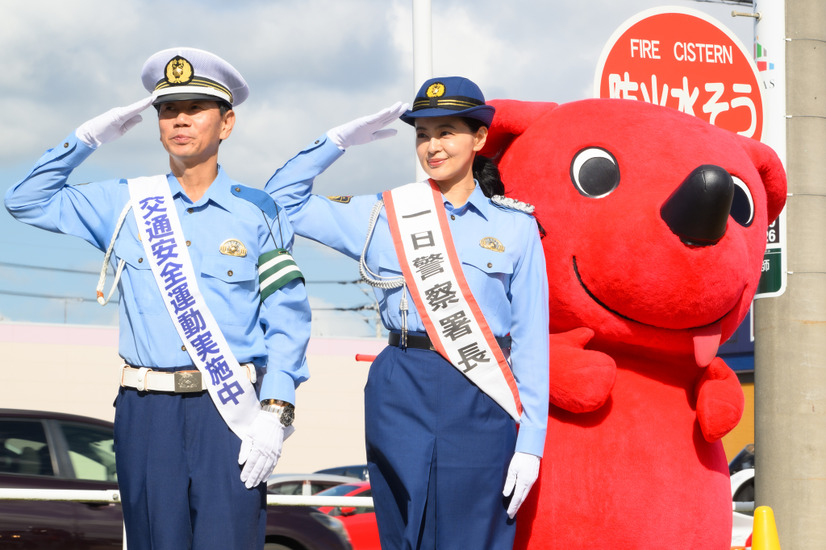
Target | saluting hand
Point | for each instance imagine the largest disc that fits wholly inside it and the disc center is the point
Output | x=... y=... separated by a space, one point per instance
x=367 y=128
x=112 y=124
x=522 y=473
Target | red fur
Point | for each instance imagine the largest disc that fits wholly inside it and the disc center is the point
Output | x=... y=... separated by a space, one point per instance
x=633 y=457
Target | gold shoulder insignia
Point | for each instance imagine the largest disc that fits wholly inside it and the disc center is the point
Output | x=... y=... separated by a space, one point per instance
x=343 y=199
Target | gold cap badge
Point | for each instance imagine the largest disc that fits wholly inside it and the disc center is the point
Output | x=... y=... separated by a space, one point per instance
x=178 y=71
x=437 y=89
x=492 y=243
x=233 y=247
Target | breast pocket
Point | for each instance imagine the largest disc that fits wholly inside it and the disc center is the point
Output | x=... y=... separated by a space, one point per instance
x=231 y=288
x=137 y=281
x=489 y=275
x=494 y=265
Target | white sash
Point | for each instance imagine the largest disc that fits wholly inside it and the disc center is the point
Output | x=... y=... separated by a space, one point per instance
x=433 y=272
x=165 y=246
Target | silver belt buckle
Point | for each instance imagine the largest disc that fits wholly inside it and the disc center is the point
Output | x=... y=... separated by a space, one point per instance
x=187 y=381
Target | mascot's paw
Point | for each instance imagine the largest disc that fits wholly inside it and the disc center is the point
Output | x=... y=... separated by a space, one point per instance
x=720 y=400
x=581 y=379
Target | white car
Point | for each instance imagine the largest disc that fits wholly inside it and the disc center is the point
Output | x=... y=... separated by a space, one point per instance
x=742 y=500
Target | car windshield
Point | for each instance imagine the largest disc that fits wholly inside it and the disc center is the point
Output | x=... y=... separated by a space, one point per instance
x=338 y=490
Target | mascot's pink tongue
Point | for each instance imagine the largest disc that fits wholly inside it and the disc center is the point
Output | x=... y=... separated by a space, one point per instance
x=706 y=342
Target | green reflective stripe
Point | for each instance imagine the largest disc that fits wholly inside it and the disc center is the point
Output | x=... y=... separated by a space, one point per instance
x=275 y=269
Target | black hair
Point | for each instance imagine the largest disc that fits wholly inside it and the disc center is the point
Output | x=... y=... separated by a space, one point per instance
x=484 y=170
x=223 y=106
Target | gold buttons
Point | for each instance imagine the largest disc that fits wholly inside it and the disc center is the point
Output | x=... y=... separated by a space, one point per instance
x=490 y=265
x=140 y=260
x=229 y=273
x=190 y=210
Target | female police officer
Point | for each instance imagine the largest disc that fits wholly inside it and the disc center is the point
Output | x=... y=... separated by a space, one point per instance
x=459 y=275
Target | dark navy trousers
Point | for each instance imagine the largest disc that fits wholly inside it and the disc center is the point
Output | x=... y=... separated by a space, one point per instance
x=437 y=451
x=179 y=479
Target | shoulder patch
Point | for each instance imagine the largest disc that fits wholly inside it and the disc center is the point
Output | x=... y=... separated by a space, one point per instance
x=343 y=199
x=513 y=204
x=258 y=197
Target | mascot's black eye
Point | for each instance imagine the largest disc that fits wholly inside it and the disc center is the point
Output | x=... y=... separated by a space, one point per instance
x=594 y=172
x=742 y=206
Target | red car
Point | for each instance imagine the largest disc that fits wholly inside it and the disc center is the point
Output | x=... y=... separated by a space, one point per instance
x=360 y=522
x=46 y=450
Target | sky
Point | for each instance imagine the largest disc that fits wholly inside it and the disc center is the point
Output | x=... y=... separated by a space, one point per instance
x=310 y=64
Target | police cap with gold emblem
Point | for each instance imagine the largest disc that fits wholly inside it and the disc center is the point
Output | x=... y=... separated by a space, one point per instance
x=449 y=96
x=180 y=74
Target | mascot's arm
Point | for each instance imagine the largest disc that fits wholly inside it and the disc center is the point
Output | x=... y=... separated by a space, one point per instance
x=720 y=400
x=581 y=379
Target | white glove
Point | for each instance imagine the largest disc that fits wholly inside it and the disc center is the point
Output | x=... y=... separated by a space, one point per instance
x=367 y=128
x=262 y=447
x=112 y=124
x=522 y=473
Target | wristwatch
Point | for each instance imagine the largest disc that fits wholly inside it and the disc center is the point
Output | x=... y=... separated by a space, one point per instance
x=284 y=410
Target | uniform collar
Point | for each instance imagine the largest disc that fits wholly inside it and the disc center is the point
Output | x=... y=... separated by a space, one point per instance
x=218 y=192
x=477 y=200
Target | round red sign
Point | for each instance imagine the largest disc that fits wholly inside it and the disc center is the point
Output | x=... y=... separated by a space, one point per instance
x=685 y=60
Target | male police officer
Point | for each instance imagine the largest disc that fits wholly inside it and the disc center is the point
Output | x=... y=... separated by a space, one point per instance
x=214 y=318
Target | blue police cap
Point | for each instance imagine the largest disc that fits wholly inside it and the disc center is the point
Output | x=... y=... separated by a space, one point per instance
x=179 y=74
x=449 y=96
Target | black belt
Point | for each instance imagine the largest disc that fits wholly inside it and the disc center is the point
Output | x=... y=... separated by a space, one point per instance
x=423 y=342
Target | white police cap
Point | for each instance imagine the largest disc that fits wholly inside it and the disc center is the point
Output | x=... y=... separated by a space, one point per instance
x=179 y=74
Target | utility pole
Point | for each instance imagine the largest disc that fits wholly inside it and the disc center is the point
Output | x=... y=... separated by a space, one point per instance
x=422 y=54
x=790 y=330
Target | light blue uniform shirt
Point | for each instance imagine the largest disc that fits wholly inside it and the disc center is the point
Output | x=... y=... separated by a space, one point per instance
x=273 y=334
x=511 y=287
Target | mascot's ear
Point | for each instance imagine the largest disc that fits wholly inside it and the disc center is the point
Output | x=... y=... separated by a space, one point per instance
x=511 y=120
x=771 y=171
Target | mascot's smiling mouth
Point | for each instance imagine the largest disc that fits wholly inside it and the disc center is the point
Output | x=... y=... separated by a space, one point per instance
x=627 y=318
x=600 y=302
x=706 y=338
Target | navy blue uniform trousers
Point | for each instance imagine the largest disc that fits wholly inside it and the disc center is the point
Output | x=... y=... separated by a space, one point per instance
x=437 y=452
x=178 y=473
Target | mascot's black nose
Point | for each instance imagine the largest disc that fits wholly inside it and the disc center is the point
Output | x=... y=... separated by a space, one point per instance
x=697 y=211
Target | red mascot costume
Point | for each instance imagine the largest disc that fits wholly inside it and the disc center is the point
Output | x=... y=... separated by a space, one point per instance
x=655 y=228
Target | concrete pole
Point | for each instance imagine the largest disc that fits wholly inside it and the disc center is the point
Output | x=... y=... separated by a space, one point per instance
x=790 y=330
x=422 y=54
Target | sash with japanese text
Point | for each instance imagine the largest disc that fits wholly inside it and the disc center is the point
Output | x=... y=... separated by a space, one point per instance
x=165 y=246
x=433 y=273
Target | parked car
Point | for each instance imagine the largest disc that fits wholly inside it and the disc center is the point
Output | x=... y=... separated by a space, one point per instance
x=304 y=484
x=743 y=459
x=741 y=470
x=355 y=470
x=360 y=521
x=47 y=450
x=357 y=489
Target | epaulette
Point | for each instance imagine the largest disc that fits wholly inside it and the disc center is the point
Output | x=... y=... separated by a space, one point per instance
x=513 y=204
x=258 y=197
